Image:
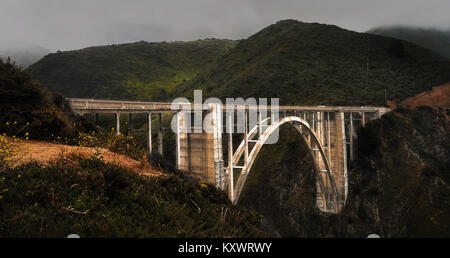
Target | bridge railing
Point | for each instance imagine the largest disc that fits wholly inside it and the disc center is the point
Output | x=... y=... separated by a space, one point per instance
x=98 y=104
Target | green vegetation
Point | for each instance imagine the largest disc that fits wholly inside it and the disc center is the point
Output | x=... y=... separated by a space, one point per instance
x=26 y=107
x=136 y=71
x=8 y=147
x=122 y=144
x=94 y=199
x=436 y=40
x=310 y=63
x=87 y=196
x=398 y=185
x=301 y=63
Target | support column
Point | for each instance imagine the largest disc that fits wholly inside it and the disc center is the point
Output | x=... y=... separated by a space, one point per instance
x=184 y=151
x=149 y=133
x=321 y=120
x=201 y=153
x=219 y=171
x=260 y=125
x=230 y=160
x=351 y=136
x=313 y=122
x=339 y=167
x=179 y=118
x=160 y=135
x=246 y=138
x=329 y=138
x=363 y=119
x=117 y=116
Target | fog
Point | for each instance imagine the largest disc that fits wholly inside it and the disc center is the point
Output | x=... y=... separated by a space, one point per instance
x=65 y=25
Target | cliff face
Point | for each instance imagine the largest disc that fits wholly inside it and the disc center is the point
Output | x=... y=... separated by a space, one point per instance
x=399 y=186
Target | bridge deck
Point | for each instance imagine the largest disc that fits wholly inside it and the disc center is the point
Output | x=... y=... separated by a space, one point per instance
x=118 y=106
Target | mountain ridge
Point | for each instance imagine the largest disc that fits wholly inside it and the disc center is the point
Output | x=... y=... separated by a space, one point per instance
x=140 y=70
x=311 y=64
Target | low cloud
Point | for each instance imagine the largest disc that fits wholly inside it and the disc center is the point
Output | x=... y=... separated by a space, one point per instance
x=64 y=24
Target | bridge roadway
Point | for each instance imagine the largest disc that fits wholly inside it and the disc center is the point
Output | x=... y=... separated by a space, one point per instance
x=118 y=106
x=328 y=131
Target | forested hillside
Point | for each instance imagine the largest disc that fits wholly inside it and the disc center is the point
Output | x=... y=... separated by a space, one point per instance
x=138 y=71
x=24 y=103
x=310 y=63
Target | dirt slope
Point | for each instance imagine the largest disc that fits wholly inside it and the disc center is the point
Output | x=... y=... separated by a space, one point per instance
x=439 y=96
x=45 y=153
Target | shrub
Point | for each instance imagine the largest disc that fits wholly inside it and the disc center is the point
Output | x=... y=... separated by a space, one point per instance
x=25 y=100
x=95 y=199
x=8 y=145
x=118 y=143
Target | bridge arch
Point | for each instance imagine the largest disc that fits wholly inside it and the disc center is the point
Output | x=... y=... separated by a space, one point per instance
x=328 y=189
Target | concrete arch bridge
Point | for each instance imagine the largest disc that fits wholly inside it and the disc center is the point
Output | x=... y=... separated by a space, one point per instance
x=203 y=130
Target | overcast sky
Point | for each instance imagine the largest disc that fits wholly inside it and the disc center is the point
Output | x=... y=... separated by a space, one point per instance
x=74 y=24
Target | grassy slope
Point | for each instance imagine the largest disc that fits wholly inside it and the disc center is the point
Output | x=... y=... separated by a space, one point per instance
x=94 y=199
x=137 y=71
x=304 y=63
x=436 y=40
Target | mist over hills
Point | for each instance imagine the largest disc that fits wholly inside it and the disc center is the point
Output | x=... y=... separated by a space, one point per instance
x=23 y=56
x=434 y=39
